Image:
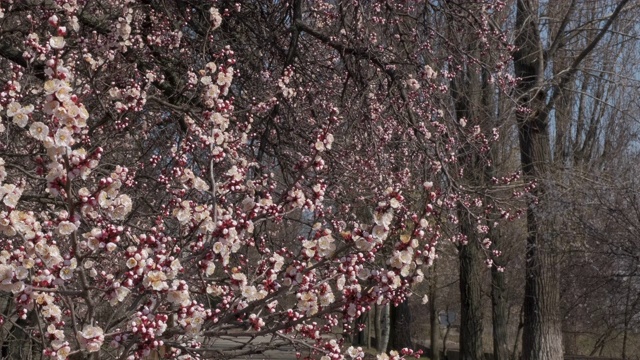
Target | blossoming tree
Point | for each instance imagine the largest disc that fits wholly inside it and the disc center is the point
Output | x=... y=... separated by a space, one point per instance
x=173 y=173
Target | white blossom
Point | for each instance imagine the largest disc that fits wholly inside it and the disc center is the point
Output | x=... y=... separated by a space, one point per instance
x=215 y=17
x=91 y=338
x=57 y=42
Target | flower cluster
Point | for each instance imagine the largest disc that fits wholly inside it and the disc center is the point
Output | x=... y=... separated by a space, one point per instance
x=159 y=192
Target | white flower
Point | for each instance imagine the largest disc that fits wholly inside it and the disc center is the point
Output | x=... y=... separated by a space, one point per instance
x=121 y=207
x=413 y=84
x=213 y=91
x=225 y=78
x=57 y=333
x=63 y=349
x=354 y=352
x=205 y=80
x=383 y=219
x=326 y=245
x=308 y=303
x=220 y=120
x=51 y=86
x=155 y=280
x=57 y=42
x=215 y=17
x=429 y=73
x=52 y=311
x=66 y=273
x=218 y=247
x=11 y=194
x=20 y=119
x=39 y=130
x=50 y=107
x=63 y=137
x=6 y=276
x=363 y=244
x=119 y=295
x=66 y=227
x=327 y=299
x=379 y=232
x=63 y=94
x=13 y=108
x=407 y=269
x=91 y=338
x=174 y=268
x=83 y=114
x=253 y=294
x=364 y=273
x=183 y=213
x=200 y=184
x=131 y=263
x=406 y=256
x=178 y=297
x=211 y=268
x=395 y=260
x=240 y=278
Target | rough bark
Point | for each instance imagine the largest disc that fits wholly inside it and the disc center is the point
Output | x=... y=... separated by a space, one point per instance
x=359 y=337
x=542 y=332
x=471 y=317
x=434 y=336
x=400 y=334
x=499 y=309
x=382 y=327
x=370 y=315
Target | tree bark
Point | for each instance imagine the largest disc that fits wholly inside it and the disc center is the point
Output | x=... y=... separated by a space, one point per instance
x=499 y=313
x=382 y=327
x=359 y=337
x=467 y=92
x=542 y=332
x=400 y=335
x=471 y=317
x=369 y=325
x=433 y=316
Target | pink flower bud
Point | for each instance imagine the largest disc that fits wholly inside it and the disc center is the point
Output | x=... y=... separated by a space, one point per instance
x=53 y=20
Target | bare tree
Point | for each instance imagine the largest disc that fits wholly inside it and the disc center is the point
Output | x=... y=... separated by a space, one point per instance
x=542 y=335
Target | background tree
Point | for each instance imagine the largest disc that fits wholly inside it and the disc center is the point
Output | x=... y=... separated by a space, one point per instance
x=537 y=98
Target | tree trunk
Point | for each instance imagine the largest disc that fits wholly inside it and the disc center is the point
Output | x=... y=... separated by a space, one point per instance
x=542 y=335
x=433 y=316
x=369 y=325
x=627 y=317
x=445 y=349
x=515 y=354
x=471 y=317
x=467 y=91
x=542 y=332
x=359 y=336
x=400 y=336
x=499 y=313
x=382 y=327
